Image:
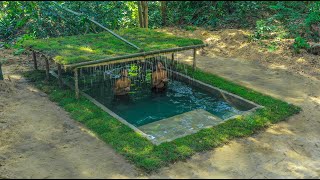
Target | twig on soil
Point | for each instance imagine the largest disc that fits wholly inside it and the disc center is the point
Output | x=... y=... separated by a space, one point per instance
x=293 y=148
x=279 y=161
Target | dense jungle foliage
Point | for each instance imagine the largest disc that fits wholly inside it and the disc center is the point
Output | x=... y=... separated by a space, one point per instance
x=20 y=20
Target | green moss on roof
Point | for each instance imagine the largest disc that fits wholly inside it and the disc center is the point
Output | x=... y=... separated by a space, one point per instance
x=90 y=47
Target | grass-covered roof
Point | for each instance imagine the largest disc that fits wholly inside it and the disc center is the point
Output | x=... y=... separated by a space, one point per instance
x=90 y=47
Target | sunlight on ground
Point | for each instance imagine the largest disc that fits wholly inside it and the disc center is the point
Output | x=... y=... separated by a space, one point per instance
x=232 y=34
x=164 y=30
x=264 y=146
x=222 y=45
x=32 y=89
x=295 y=101
x=15 y=76
x=88 y=131
x=278 y=66
x=298 y=170
x=85 y=173
x=213 y=38
x=242 y=45
x=301 y=60
x=315 y=99
x=293 y=154
x=280 y=132
x=184 y=58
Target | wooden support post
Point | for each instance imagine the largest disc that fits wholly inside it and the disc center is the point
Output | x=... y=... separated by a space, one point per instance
x=34 y=57
x=47 y=69
x=76 y=82
x=194 y=59
x=59 y=76
x=1 y=74
x=174 y=64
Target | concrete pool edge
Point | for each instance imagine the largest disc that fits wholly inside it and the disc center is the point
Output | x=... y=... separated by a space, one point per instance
x=150 y=137
x=257 y=106
x=218 y=89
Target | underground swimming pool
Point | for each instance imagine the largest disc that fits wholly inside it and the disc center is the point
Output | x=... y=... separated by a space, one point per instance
x=186 y=107
x=142 y=106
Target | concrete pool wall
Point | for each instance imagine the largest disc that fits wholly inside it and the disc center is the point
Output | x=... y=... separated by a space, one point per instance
x=184 y=124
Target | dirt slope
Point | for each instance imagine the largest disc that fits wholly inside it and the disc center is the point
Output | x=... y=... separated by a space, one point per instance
x=235 y=43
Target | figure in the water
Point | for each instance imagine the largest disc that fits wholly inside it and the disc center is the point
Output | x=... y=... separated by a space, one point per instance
x=122 y=85
x=159 y=79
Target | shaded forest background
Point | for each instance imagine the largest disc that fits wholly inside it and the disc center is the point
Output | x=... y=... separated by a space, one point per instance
x=300 y=20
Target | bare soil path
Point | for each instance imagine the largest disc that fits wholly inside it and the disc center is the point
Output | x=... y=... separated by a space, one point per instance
x=39 y=140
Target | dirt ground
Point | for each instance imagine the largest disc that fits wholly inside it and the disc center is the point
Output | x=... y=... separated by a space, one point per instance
x=38 y=139
x=235 y=43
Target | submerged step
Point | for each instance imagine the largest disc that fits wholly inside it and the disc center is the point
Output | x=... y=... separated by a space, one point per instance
x=180 y=125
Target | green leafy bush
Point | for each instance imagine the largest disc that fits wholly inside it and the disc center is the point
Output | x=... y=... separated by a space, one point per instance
x=300 y=43
x=190 y=28
x=263 y=29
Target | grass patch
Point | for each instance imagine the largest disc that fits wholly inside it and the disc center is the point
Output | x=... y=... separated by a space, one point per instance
x=143 y=153
x=89 y=47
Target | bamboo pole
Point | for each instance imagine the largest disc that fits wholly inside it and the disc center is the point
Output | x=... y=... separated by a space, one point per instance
x=135 y=55
x=76 y=82
x=59 y=76
x=91 y=19
x=34 y=57
x=194 y=59
x=47 y=69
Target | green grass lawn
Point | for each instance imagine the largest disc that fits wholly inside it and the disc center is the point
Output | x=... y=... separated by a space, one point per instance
x=143 y=153
x=74 y=49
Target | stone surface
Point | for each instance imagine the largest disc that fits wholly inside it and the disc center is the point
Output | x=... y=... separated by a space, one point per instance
x=180 y=125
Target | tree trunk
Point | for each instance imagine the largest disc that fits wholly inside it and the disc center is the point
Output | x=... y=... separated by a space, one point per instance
x=141 y=21
x=145 y=13
x=164 y=13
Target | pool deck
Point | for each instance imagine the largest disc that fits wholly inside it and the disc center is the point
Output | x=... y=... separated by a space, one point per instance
x=180 y=125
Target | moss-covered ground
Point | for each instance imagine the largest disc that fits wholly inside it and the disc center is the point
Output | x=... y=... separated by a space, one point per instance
x=90 y=47
x=143 y=153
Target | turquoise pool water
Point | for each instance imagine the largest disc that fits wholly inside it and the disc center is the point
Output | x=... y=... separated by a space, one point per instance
x=142 y=106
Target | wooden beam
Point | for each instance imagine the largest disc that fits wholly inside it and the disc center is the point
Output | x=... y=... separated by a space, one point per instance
x=60 y=76
x=76 y=83
x=194 y=59
x=34 y=57
x=135 y=55
x=47 y=69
